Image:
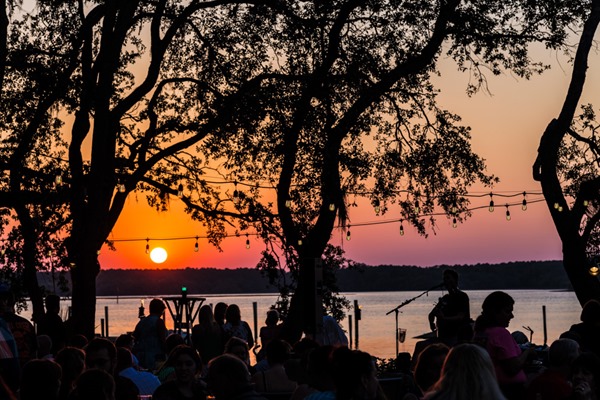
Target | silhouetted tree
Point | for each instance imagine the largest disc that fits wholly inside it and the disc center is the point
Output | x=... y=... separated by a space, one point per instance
x=567 y=168
x=320 y=101
x=348 y=108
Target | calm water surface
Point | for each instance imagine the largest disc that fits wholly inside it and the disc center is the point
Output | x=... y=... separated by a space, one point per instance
x=376 y=329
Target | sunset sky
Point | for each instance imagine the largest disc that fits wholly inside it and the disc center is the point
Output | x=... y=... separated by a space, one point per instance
x=506 y=128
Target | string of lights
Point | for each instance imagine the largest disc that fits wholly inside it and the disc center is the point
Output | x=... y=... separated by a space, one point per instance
x=523 y=205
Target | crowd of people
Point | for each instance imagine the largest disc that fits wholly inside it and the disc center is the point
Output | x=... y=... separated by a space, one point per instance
x=467 y=359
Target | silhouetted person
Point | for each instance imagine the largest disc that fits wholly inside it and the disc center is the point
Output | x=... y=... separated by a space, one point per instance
x=553 y=383
x=268 y=332
x=146 y=382
x=186 y=384
x=236 y=327
x=467 y=374
x=428 y=368
x=451 y=317
x=72 y=363
x=150 y=335
x=228 y=379
x=507 y=357
x=52 y=324
x=40 y=380
x=22 y=330
x=588 y=329
x=94 y=384
x=207 y=335
x=102 y=354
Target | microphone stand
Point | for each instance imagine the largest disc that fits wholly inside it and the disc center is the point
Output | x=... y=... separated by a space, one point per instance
x=397 y=310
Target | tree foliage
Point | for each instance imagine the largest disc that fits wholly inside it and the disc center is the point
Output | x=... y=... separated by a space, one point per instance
x=298 y=107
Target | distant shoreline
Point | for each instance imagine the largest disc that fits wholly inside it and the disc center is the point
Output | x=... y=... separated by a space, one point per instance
x=547 y=275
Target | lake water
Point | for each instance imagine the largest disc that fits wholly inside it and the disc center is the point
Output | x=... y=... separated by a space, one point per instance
x=376 y=329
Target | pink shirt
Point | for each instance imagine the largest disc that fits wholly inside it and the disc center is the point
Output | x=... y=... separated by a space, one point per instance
x=501 y=346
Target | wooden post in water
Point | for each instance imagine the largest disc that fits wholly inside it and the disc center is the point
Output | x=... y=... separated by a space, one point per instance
x=356 y=319
x=544 y=320
x=255 y=311
x=101 y=327
x=106 y=319
x=350 y=330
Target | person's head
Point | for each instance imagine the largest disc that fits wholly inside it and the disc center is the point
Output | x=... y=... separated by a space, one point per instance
x=318 y=368
x=72 y=362
x=450 y=278
x=468 y=373
x=44 y=345
x=95 y=384
x=219 y=312
x=586 y=368
x=79 y=341
x=125 y=340
x=272 y=318
x=563 y=352
x=429 y=365
x=52 y=304
x=239 y=348
x=233 y=315
x=278 y=351
x=497 y=308
x=590 y=313
x=354 y=374
x=102 y=354
x=227 y=377
x=124 y=359
x=186 y=362
x=205 y=315
x=40 y=379
x=157 y=307
x=172 y=341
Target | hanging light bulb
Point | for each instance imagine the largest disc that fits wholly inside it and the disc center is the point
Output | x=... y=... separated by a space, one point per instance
x=196 y=248
x=147 y=246
x=524 y=204
x=401 y=229
x=560 y=208
x=594 y=270
x=454 y=223
x=376 y=206
x=121 y=188
x=58 y=180
x=454 y=209
x=556 y=205
x=491 y=207
x=288 y=203
x=236 y=195
x=507 y=213
x=299 y=242
x=586 y=203
x=348 y=234
x=180 y=190
x=332 y=207
x=417 y=208
x=247 y=241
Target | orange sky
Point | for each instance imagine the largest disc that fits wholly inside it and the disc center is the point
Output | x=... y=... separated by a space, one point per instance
x=506 y=127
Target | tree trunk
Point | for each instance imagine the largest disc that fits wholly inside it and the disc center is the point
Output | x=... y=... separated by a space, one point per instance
x=83 y=275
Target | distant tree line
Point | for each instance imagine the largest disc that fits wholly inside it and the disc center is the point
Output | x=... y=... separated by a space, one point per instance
x=363 y=278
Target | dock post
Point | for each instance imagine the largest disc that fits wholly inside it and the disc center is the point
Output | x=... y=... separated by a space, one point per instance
x=101 y=327
x=106 y=319
x=544 y=320
x=255 y=312
x=356 y=319
x=350 y=330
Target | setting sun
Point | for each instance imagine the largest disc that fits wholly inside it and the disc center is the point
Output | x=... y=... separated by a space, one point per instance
x=158 y=255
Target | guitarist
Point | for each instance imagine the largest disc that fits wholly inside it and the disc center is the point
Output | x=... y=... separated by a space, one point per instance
x=450 y=318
